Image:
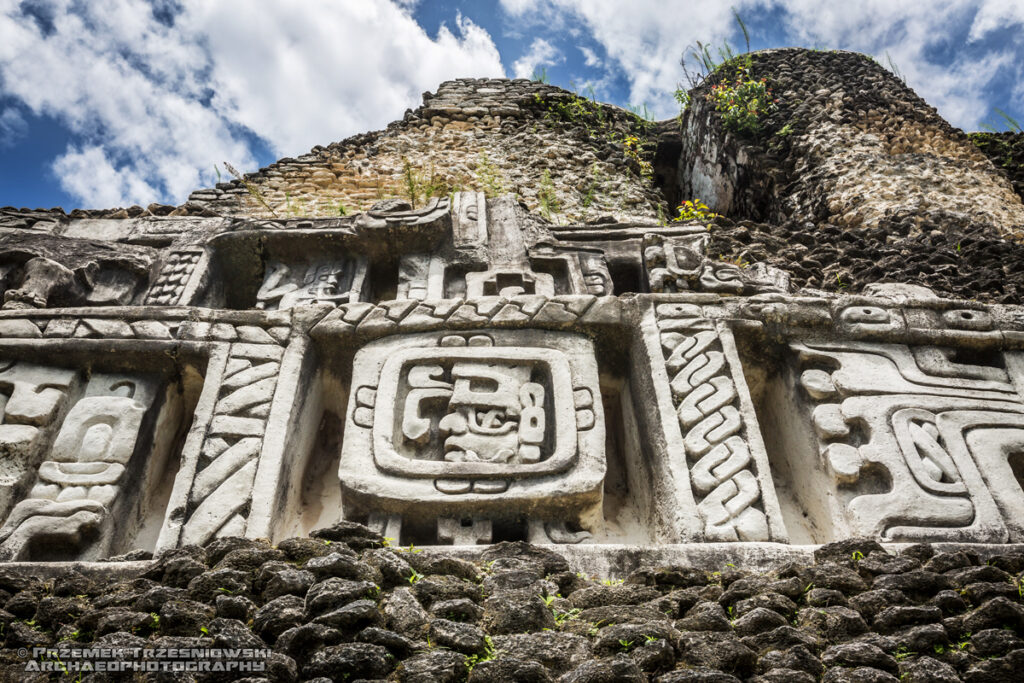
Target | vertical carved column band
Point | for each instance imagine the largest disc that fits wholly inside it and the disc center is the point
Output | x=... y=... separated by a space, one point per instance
x=222 y=490
x=717 y=430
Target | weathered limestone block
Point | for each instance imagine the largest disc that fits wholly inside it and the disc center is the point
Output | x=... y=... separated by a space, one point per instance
x=680 y=263
x=41 y=277
x=31 y=396
x=221 y=490
x=79 y=483
x=46 y=271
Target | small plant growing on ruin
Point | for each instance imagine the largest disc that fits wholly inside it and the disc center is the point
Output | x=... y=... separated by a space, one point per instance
x=698 y=62
x=488 y=177
x=902 y=652
x=737 y=261
x=547 y=197
x=742 y=101
x=411 y=180
x=631 y=149
x=1011 y=123
x=894 y=69
x=488 y=654
x=626 y=644
x=694 y=210
x=595 y=181
x=571 y=615
x=249 y=187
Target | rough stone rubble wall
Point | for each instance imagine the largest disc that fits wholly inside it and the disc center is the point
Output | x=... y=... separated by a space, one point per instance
x=495 y=136
x=1006 y=151
x=853 y=180
x=342 y=607
x=850 y=145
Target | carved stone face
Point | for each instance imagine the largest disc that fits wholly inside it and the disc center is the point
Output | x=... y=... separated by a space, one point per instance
x=503 y=418
x=485 y=419
x=326 y=281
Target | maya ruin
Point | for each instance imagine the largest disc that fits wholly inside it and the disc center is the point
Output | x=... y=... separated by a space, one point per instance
x=539 y=426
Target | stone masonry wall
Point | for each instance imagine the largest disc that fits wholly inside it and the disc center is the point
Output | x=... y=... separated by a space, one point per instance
x=342 y=606
x=849 y=144
x=857 y=180
x=1006 y=151
x=564 y=155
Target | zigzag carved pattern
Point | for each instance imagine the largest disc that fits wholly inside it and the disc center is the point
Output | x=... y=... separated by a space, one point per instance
x=222 y=488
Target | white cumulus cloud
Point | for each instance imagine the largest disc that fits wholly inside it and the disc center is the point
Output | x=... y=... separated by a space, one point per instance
x=156 y=93
x=590 y=57
x=541 y=53
x=12 y=126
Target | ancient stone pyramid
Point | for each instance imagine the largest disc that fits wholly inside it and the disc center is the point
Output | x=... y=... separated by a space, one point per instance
x=490 y=322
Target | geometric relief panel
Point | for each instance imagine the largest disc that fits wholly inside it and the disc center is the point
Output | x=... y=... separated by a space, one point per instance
x=475 y=429
x=916 y=443
x=713 y=440
x=79 y=470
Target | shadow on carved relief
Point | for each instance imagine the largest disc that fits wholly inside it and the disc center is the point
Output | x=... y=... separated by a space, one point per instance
x=469 y=437
x=44 y=272
x=902 y=443
x=91 y=449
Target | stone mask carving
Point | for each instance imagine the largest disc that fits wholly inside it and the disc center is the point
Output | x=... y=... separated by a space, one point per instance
x=494 y=412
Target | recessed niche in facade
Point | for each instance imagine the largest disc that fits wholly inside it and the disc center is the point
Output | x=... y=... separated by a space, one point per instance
x=90 y=451
x=471 y=437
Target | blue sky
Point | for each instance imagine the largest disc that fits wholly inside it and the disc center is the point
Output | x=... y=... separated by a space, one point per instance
x=113 y=102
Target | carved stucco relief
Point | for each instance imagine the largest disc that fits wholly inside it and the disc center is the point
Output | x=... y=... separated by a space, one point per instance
x=290 y=284
x=221 y=491
x=79 y=482
x=714 y=436
x=938 y=432
x=31 y=397
x=477 y=425
x=177 y=278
